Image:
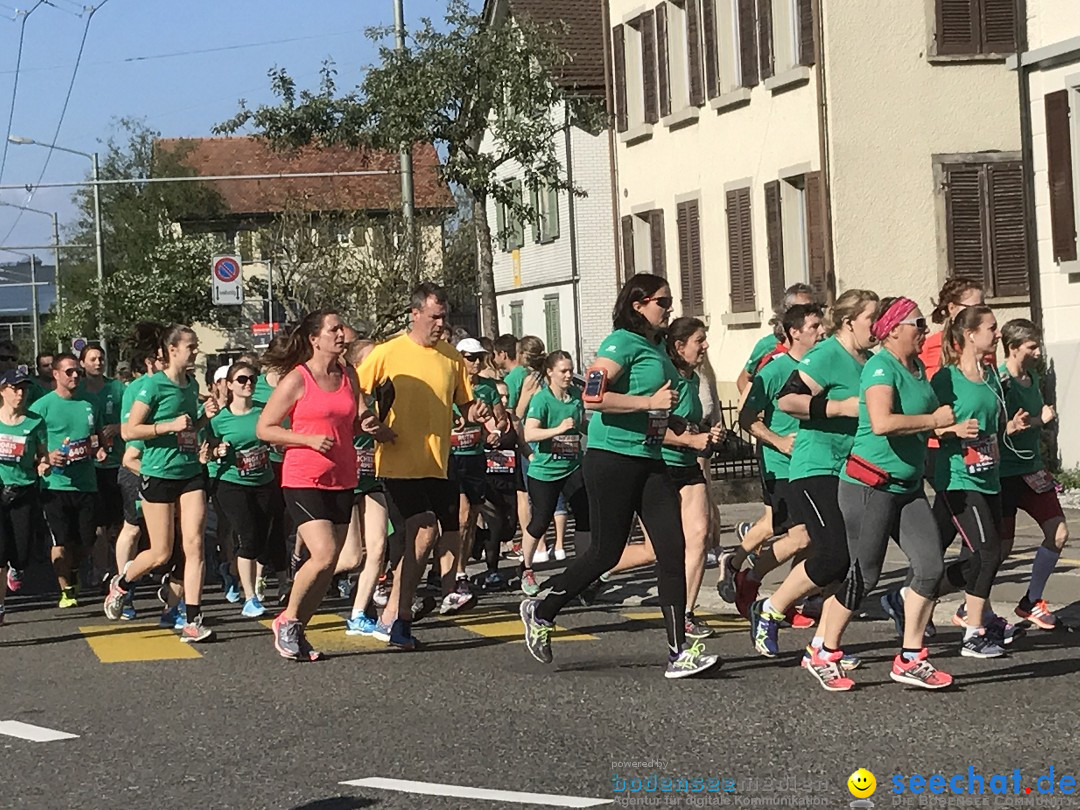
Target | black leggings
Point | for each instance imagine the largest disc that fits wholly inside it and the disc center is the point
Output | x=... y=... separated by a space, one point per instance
x=19 y=519
x=814 y=503
x=977 y=518
x=248 y=509
x=545 y=497
x=500 y=514
x=620 y=486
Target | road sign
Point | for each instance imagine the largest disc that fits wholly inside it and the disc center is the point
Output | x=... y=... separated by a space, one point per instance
x=227 y=279
x=78 y=344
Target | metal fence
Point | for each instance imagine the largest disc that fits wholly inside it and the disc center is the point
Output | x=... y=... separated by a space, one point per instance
x=737 y=456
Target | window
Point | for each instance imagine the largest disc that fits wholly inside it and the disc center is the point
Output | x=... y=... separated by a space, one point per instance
x=796 y=249
x=679 y=61
x=545 y=203
x=792 y=34
x=984 y=212
x=508 y=223
x=1060 y=176
x=644 y=245
x=740 y=251
x=517 y=328
x=975 y=27
x=552 y=322
x=688 y=223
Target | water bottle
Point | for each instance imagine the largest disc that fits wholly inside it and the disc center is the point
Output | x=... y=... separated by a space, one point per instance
x=65 y=449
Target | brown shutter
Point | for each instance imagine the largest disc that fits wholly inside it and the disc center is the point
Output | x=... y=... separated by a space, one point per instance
x=765 y=37
x=748 y=58
x=712 y=52
x=806 y=32
x=1008 y=246
x=774 y=233
x=663 y=60
x=956 y=27
x=815 y=235
x=689 y=227
x=693 y=52
x=657 y=244
x=740 y=250
x=964 y=217
x=998 y=26
x=1060 y=171
x=618 y=39
x=648 y=67
x=629 y=266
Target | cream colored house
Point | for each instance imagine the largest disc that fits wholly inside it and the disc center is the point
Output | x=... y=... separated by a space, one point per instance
x=744 y=167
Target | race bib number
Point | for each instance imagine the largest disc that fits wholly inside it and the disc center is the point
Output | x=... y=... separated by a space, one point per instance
x=12 y=448
x=252 y=462
x=656 y=427
x=79 y=450
x=467 y=438
x=501 y=462
x=980 y=454
x=188 y=441
x=365 y=462
x=567 y=446
x=1040 y=482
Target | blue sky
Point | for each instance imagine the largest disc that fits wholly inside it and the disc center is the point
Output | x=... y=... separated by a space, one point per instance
x=183 y=95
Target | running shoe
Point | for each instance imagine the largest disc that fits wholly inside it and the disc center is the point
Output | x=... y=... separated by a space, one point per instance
x=492 y=581
x=828 y=670
x=695 y=628
x=981 y=645
x=746 y=592
x=253 y=608
x=587 y=597
x=919 y=672
x=560 y=554
x=1037 y=612
x=541 y=556
x=195 y=631
x=76 y=585
x=930 y=630
x=229 y=584
x=344 y=588
x=798 y=620
x=68 y=600
x=537 y=631
x=307 y=652
x=361 y=626
x=712 y=558
x=162 y=591
x=893 y=605
x=114 y=602
x=14 y=580
x=434 y=580
x=381 y=632
x=847 y=662
x=260 y=588
x=1003 y=632
x=529 y=585
x=287 y=637
x=725 y=583
x=764 y=628
x=742 y=529
x=169 y=617
x=515 y=552
x=401 y=637
x=382 y=591
x=455 y=601
x=128 y=613
x=691 y=661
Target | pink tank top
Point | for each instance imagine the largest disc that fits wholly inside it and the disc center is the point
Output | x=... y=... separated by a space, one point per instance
x=319 y=412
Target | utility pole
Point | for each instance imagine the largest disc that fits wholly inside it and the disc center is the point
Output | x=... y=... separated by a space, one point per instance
x=408 y=204
x=100 y=258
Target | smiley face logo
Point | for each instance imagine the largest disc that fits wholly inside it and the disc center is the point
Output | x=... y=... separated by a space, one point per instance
x=862 y=784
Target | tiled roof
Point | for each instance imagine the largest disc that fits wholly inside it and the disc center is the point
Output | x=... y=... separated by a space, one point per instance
x=583 y=39
x=247 y=155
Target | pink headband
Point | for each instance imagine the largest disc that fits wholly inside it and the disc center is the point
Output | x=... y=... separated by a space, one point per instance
x=891 y=318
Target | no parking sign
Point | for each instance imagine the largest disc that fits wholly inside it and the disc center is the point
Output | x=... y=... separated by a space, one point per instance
x=227 y=280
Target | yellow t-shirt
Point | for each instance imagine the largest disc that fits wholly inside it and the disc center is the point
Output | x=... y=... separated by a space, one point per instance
x=427 y=383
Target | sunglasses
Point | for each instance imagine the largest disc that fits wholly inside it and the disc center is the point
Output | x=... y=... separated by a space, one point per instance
x=918 y=323
x=8 y=358
x=473 y=358
x=663 y=301
x=243 y=379
x=73 y=372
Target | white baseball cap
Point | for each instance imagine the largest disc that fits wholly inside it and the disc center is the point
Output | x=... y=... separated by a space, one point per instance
x=471 y=346
x=222 y=373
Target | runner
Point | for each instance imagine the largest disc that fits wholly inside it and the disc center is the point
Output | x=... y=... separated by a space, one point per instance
x=1025 y=482
x=23 y=449
x=428 y=377
x=68 y=490
x=956 y=294
x=165 y=418
x=632 y=389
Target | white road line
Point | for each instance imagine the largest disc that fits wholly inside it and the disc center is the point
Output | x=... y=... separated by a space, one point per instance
x=461 y=792
x=25 y=731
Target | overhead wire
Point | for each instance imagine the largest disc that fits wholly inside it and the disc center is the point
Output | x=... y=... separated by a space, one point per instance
x=15 y=85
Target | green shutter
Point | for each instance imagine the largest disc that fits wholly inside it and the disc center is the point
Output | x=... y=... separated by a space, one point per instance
x=500 y=225
x=516 y=326
x=552 y=220
x=552 y=322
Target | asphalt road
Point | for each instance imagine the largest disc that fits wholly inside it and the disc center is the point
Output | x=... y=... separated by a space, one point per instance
x=234 y=726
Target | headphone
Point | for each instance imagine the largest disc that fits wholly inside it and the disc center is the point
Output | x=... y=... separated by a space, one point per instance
x=999 y=395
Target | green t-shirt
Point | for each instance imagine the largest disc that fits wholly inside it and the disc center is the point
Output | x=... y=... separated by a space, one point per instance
x=903 y=457
x=557 y=457
x=645 y=368
x=108 y=407
x=1024 y=456
x=515 y=379
x=757 y=354
x=130 y=392
x=260 y=397
x=969 y=464
x=19 y=451
x=762 y=399
x=171 y=455
x=247 y=460
x=71 y=420
x=469 y=441
x=688 y=407
x=824 y=444
x=36 y=391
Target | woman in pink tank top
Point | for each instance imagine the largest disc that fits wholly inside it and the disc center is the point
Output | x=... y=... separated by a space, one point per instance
x=319 y=396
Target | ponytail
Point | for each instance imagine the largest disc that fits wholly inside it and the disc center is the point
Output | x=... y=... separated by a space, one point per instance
x=952 y=338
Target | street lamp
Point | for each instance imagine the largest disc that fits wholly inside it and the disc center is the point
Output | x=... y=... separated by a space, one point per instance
x=35 y=324
x=93 y=158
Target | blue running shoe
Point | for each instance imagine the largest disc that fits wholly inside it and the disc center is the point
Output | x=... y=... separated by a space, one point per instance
x=381 y=632
x=764 y=629
x=229 y=584
x=401 y=637
x=128 y=611
x=253 y=608
x=893 y=605
x=169 y=618
x=360 y=626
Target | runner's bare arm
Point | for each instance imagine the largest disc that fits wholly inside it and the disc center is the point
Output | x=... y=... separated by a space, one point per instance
x=136 y=426
x=269 y=429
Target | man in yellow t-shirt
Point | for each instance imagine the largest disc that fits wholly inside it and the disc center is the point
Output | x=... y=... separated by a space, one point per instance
x=428 y=376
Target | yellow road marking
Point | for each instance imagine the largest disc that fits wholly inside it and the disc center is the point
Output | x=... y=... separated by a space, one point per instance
x=715 y=620
x=326 y=632
x=125 y=643
x=503 y=626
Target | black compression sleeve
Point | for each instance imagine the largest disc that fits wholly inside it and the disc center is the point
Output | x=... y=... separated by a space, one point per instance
x=817 y=406
x=795 y=385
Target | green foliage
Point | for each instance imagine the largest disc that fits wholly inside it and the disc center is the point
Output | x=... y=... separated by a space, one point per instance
x=1070 y=479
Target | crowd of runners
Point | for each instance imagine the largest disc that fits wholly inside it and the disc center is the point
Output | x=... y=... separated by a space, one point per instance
x=333 y=463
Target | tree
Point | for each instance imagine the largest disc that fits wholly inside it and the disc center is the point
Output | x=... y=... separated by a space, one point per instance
x=451 y=87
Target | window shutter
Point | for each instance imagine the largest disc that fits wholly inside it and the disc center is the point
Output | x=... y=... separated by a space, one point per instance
x=657 y=242
x=693 y=52
x=998 y=24
x=618 y=39
x=956 y=27
x=748 y=58
x=537 y=215
x=648 y=67
x=964 y=222
x=663 y=59
x=740 y=250
x=806 y=30
x=552 y=223
x=500 y=225
x=552 y=323
x=689 y=226
x=774 y=232
x=815 y=235
x=1060 y=171
x=1008 y=246
x=517 y=224
x=628 y=246
x=765 y=38
x=712 y=52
